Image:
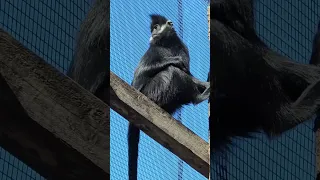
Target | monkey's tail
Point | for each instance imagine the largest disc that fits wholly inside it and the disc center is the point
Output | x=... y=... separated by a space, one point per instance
x=133 y=144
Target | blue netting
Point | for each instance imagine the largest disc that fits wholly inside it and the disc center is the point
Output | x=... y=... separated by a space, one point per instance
x=287 y=27
x=47 y=28
x=129 y=40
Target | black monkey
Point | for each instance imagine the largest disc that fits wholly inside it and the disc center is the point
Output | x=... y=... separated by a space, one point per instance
x=315 y=56
x=163 y=76
x=90 y=64
x=315 y=60
x=255 y=88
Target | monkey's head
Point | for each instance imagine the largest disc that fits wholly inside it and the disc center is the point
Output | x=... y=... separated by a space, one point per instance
x=161 y=28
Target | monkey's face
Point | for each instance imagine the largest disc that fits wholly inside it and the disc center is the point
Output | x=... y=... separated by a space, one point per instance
x=161 y=31
x=161 y=28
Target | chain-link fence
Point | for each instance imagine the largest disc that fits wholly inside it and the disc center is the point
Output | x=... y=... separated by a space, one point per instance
x=287 y=27
x=130 y=33
x=48 y=28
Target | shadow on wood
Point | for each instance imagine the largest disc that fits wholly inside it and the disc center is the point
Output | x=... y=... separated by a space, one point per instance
x=159 y=125
x=47 y=120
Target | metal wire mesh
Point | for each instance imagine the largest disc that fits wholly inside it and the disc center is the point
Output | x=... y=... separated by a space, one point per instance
x=13 y=169
x=48 y=28
x=287 y=27
x=129 y=40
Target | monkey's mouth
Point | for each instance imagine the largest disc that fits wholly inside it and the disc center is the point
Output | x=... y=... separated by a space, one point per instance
x=154 y=36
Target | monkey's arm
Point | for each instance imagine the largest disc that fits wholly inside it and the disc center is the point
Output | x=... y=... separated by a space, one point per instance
x=154 y=69
x=178 y=62
x=175 y=61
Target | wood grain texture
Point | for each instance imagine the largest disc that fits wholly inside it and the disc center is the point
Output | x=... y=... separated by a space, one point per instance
x=56 y=103
x=159 y=125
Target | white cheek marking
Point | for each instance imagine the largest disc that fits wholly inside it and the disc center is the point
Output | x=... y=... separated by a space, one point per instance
x=163 y=27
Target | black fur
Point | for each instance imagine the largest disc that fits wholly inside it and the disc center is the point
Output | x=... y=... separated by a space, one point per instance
x=163 y=75
x=258 y=88
x=315 y=60
x=90 y=64
x=315 y=56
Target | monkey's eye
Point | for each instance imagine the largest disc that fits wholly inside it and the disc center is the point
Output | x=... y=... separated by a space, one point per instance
x=170 y=23
x=155 y=26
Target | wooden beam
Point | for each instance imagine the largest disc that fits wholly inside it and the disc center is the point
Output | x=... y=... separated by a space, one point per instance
x=159 y=125
x=60 y=130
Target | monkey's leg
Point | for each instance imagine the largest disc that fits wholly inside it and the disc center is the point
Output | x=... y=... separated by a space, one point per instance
x=198 y=97
x=155 y=69
x=301 y=110
x=171 y=88
x=285 y=68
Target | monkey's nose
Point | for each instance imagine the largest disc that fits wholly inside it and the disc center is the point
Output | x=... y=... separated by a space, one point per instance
x=169 y=23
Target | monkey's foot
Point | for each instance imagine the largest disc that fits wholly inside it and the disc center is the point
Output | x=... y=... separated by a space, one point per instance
x=202 y=97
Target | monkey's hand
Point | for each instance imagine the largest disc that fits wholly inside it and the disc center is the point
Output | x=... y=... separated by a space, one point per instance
x=203 y=95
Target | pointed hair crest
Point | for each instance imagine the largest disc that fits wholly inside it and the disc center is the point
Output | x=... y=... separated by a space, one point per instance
x=157 y=19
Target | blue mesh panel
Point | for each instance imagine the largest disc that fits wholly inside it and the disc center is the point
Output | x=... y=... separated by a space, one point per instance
x=287 y=27
x=129 y=40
